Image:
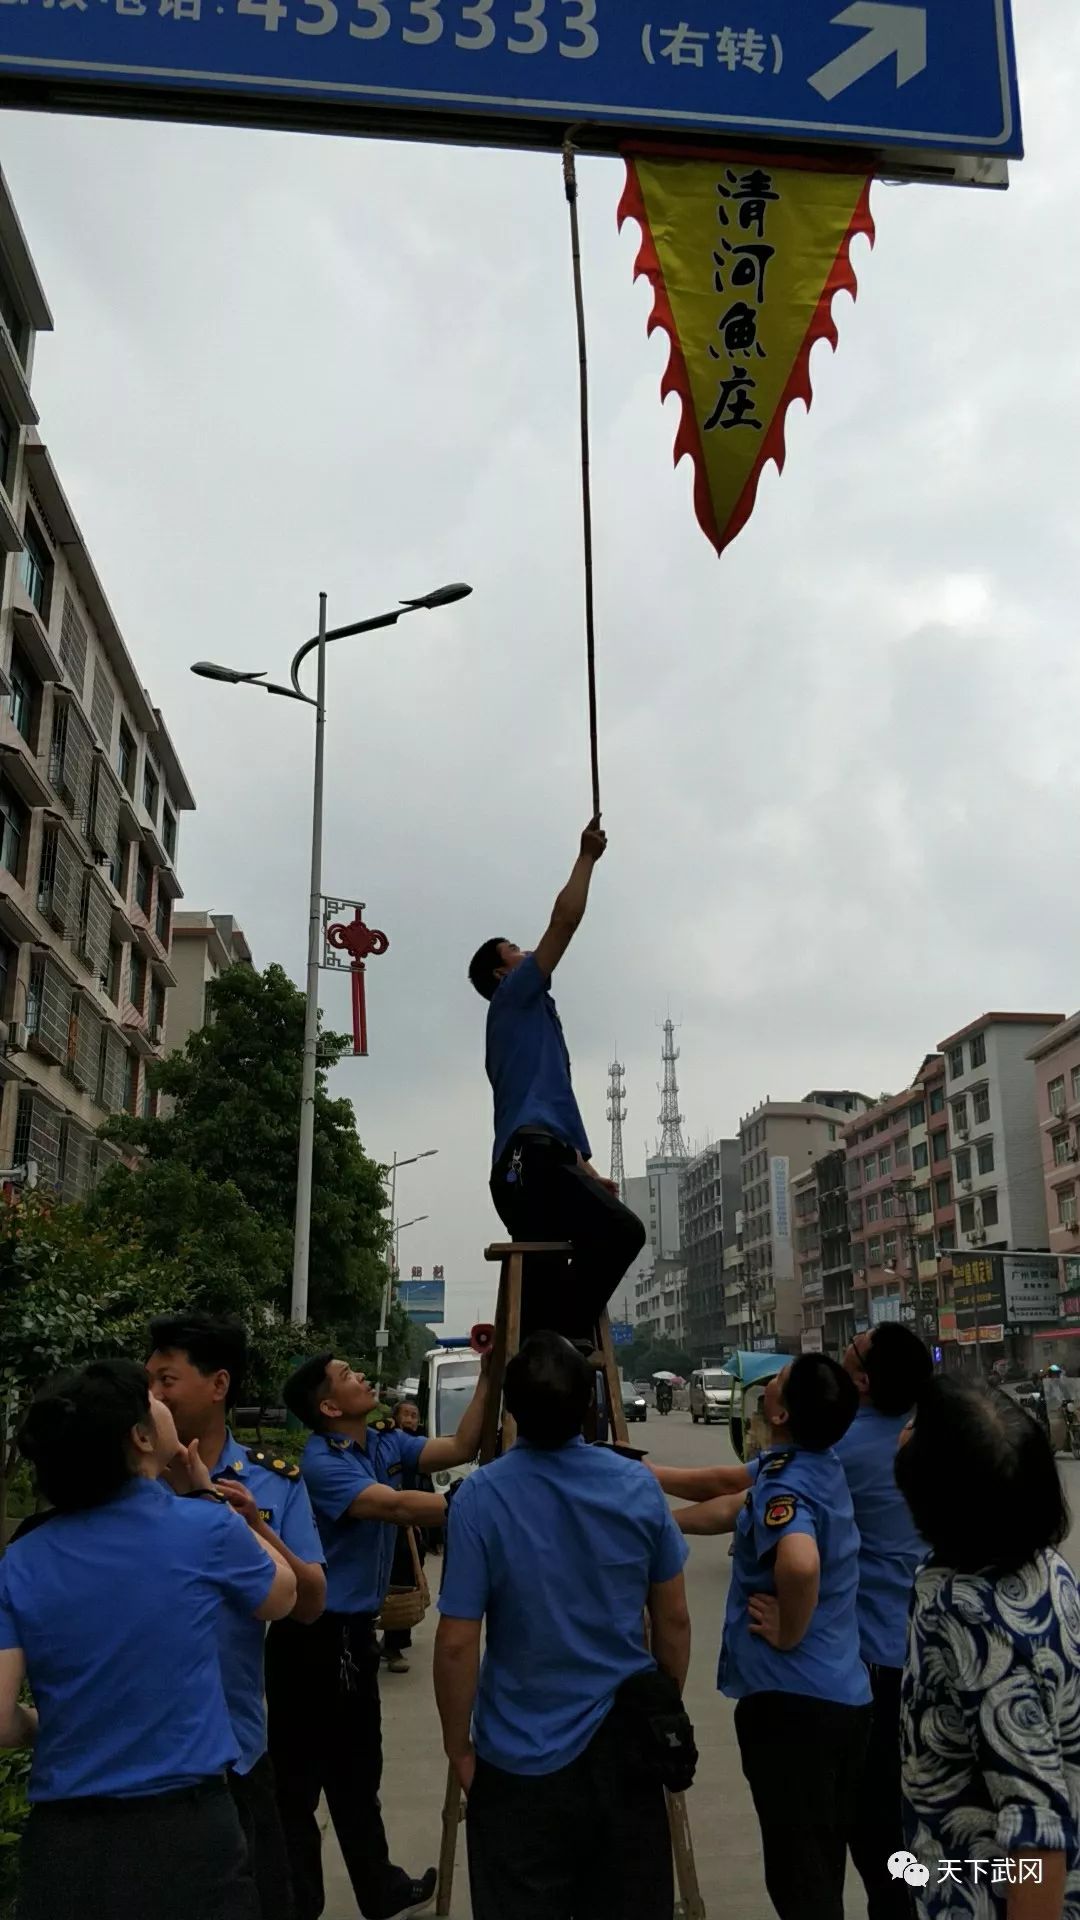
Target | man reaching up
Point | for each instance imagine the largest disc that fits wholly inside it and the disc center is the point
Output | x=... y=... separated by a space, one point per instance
x=543 y=1182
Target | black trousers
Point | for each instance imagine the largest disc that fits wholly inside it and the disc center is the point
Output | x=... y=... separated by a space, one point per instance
x=256 y=1803
x=325 y=1729
x=171 y=1856
x=550 y=1198
x=590 y=1842
x=877 y=1829
x=804 y=1834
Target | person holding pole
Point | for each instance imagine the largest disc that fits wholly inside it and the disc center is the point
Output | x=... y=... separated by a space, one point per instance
x=543 y=1182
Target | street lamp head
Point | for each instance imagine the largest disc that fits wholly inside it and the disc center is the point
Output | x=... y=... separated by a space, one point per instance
x=208 y=670
x=441 y=596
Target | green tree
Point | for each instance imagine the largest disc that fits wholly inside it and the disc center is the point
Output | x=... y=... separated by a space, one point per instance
x=68 y=1293
x=232 y=1132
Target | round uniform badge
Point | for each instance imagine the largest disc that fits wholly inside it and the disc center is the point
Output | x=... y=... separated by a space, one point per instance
x=780 y=1510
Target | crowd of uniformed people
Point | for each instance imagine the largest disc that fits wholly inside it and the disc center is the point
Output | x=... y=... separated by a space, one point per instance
x=902 y=1644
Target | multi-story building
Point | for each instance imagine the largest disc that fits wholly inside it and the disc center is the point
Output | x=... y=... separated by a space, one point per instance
x=891 y=1208
x=654 y=1197
x=994 y=1134
x=91 y=791
x=1056 y=1059
x=204 y=946
x=660 y=1302
x=711 y=1196
x=779 y=1141
x=823 y=1255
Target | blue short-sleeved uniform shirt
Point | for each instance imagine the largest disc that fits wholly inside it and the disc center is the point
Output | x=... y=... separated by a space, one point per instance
x=557 y=1551
x=890 y=1550
x=118 y=1613
x=284 y=1505
x=795 y=1491
x=528 y=1064
x=359 y=1553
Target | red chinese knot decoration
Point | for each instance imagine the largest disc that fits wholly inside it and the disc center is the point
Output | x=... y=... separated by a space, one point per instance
x=362 y=942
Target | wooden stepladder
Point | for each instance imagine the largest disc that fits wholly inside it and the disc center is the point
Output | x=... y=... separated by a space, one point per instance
x=500 y=1433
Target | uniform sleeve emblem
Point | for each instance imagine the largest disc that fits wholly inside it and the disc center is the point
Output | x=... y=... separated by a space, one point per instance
x=780 y=1510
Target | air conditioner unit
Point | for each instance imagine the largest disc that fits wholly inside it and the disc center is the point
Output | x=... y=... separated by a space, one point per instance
x=1074 y=1226
x=157 y=1033
x=965 y=1186
x=16 y=1036
x=963 y=1129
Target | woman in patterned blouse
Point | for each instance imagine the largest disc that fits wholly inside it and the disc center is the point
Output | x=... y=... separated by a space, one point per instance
x=990 y=1735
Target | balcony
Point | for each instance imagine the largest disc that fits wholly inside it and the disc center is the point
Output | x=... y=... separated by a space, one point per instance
x=20 y=769
x=33 y=635
x=813 y=1290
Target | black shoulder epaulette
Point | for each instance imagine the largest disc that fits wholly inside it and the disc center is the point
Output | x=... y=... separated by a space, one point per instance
x=260 y=1459
x=779 y=1461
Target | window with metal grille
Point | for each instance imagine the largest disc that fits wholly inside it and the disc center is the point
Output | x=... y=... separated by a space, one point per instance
x=104 y=823
x=163 y=919
x=87 y=1050
x=157 y=1004
x=73 y=1161
x=71 y=761
x=96 y=925
x=37 y=1136
x=131 y=1091
x=102 y=705
x=111 y=972
x=60 y=882
x=14 y=821
x=168 y=834
x=151 y=790
x=112 y=1071
x=8 y=439
x=48 y=1008
x=73 y=644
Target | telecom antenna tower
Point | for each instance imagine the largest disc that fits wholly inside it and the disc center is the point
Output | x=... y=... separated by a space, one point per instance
x=616 y=1113
x=672 y=1145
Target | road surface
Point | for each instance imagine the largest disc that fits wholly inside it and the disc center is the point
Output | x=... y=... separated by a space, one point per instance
x=722 y=1815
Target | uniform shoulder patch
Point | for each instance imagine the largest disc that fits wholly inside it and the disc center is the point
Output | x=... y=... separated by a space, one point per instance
x=260 y=1459
x=381 y=1426
x=780 y=1510
x=778 y=1461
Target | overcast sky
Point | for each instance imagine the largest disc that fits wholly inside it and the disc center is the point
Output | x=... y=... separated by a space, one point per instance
x=841 y=768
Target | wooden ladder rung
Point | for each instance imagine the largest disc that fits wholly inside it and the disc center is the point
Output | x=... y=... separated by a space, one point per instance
x=503 y=1250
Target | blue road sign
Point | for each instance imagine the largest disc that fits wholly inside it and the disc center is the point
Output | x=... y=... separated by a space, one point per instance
x=423 y=1300
x=622 y=1333
x=938 y=75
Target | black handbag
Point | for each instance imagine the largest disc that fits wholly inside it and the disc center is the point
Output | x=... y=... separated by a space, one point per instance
x=652 y=1703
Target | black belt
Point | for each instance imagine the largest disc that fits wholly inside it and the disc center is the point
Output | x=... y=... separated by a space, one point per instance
x=540 y=1137
x=97 y=1804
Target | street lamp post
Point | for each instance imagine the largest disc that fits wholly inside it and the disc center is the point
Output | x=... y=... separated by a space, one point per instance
x=209 y=670
x=382 y=1339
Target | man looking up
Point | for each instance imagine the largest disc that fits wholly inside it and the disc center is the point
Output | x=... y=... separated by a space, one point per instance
x=323 y=1685
x=543 y=1182
x=890 y=1367
x=560 y=1547
x=196 y=1368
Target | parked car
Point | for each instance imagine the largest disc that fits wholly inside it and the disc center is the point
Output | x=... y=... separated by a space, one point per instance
x=710 y=1395
x=446 y=1386
x=634 y=1404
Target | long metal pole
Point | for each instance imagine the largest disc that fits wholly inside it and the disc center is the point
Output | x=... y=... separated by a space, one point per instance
x=387 y=1300
x=302 y=1229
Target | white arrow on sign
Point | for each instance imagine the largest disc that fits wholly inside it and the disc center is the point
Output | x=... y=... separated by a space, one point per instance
x=890 y=31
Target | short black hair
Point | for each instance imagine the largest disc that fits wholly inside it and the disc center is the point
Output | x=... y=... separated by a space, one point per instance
x=821 y=1400
x=76 y=1432
x=484 y=967
x=548 y=1389
x=979 y=1476
x=212 y=1344
x=898 y=1367
x=305 y=1388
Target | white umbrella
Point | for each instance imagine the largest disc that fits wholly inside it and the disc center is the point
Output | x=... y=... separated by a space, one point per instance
x=673 y=1377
